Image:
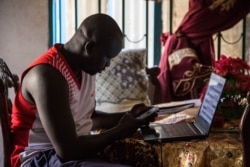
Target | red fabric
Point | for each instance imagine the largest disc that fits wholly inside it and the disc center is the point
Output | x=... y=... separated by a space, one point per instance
x=195 y=31
x=20 y=135
x=23 y=112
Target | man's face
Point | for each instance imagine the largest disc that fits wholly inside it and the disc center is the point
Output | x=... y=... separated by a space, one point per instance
x=101 y=56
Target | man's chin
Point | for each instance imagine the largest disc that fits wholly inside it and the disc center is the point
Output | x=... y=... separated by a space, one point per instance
x=94 y=72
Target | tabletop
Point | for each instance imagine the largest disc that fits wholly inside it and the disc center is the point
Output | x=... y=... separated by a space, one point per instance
x=218 y=150
x=222 y=148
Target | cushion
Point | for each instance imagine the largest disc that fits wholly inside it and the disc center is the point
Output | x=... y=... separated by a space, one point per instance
x=124 y=83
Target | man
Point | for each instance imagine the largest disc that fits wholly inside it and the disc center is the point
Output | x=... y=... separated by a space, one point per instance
x=53 y=112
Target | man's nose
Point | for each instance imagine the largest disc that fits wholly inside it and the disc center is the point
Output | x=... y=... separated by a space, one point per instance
x=108 y=64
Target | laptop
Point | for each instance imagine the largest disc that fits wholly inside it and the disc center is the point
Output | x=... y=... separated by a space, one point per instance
x=198 y=129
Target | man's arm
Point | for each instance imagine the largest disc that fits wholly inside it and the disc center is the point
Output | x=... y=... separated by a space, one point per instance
x=48 y=89
x=102 y=120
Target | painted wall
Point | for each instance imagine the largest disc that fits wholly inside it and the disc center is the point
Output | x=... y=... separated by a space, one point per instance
x=24 y=31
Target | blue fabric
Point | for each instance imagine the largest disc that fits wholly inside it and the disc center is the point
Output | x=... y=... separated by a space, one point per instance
x=50 y=159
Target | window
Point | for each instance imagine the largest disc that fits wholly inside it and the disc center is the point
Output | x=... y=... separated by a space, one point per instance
x=142 y=22
x=136 y=18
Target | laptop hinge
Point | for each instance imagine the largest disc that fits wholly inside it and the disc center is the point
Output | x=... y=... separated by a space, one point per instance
x=201 y=129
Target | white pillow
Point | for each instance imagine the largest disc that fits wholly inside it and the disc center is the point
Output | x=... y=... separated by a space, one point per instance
x=124 y=83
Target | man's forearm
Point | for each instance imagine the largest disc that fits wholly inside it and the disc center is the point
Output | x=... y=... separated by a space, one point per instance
x=102 y=120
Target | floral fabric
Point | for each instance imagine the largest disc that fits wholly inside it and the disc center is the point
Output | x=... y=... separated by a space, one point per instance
x=218 y=150
x=132 y=151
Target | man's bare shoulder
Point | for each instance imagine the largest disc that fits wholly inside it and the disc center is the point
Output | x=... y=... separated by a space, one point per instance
x=42 y=79
x=43 y=74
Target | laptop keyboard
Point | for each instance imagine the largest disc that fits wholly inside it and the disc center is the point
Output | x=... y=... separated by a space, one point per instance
x=183 y=129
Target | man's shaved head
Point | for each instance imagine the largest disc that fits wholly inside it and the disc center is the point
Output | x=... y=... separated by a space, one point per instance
x=97 y=40
x=100 y=27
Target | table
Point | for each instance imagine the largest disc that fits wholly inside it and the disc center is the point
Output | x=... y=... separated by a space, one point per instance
x=220 y=149
x=223 y=148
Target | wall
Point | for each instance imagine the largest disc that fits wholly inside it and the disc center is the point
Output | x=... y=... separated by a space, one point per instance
x=24 y=31
x=24 y=34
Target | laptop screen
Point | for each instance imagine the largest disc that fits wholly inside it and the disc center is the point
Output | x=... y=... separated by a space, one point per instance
x=210 y=102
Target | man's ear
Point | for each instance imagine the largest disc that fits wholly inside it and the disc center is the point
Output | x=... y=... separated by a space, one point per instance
x=89 y=47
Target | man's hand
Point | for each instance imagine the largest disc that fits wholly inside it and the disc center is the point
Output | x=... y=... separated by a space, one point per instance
x=141 y=108
x=138 y=109
x=129 y=123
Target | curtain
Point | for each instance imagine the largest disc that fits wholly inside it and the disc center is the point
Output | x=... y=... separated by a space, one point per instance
x=189 y=53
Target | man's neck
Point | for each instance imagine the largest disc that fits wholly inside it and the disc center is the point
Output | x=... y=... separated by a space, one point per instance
x=70 y=58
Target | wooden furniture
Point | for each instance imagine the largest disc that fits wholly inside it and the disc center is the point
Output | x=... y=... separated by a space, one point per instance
x=5 y=125
x=7 y=80
x=245 y=134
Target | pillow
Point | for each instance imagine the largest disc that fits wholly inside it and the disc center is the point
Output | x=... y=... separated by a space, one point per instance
x=124 y=83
